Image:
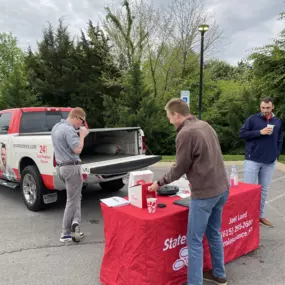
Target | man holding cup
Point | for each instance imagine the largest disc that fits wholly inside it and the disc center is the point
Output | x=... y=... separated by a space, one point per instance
x=263 y=144
x=199 y=156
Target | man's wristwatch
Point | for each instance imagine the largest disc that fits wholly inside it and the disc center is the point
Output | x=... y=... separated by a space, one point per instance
x=158 y=183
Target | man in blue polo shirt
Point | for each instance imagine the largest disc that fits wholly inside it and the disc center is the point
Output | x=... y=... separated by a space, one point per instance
x=263 y=144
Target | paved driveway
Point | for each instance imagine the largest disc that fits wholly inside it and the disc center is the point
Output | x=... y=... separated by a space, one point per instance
x=30 y=251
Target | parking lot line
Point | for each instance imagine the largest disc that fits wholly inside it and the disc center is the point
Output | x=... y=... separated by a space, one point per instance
x=276 y=198
x=276 y=211
x=277 y=179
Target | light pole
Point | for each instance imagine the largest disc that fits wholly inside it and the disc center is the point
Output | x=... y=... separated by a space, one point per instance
x=202 y=29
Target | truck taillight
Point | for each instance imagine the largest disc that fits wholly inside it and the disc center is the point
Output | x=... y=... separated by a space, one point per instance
x=143 y=145
x=54 y=161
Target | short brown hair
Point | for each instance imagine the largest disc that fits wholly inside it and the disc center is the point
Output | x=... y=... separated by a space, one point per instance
x=177 y=105
x=267 y=100
x=77 y=112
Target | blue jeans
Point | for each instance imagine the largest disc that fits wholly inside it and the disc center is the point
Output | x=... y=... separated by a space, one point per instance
x=205 y=216
x=259 y=173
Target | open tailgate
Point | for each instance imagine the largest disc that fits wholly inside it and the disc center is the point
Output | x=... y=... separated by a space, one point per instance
x=121 y=165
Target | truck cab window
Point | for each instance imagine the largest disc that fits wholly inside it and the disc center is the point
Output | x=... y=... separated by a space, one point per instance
x=34 y=122
x=5 y=119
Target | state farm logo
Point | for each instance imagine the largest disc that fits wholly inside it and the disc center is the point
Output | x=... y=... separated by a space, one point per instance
x=183 y=259
x=172 y=243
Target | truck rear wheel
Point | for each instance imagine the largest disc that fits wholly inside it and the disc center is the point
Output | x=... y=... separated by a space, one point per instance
x=32 y=188
x=112 y=186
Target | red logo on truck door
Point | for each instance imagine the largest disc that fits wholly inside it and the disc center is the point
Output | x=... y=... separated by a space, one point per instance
x=43 y=148
x=44 y=158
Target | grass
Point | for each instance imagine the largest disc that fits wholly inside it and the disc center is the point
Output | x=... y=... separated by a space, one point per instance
x=227 y=157
x=282 y=158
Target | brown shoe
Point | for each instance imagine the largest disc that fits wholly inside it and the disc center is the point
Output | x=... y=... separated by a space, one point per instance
x=209 y=276
x=266 y=223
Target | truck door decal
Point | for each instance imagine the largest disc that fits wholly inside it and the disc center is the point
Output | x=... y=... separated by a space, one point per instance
x=6 y=171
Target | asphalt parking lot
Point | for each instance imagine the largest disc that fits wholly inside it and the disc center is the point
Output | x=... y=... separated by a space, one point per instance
x=30 y=251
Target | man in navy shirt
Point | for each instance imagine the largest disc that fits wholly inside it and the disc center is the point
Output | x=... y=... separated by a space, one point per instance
x=263 y=144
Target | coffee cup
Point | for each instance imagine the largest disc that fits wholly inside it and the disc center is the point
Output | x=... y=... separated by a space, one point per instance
x=270 y=127
x=151 y=205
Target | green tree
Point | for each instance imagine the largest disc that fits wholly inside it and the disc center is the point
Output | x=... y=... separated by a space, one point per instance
x=128 y=34
x=98 y=76
x=67 y=73
x=135 y=106
x=220 y=70
x=51 y=70
x=269 y=75
x=10 y=55
x=14 y=89
x=234 y=104
x=15 y=92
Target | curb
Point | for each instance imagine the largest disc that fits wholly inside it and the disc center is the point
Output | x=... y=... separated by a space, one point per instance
x=279 y=166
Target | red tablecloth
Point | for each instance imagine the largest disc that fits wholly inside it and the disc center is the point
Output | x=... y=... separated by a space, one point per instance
x=143 y=248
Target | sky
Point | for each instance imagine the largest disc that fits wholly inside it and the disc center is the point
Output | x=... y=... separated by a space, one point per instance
x=246 y=24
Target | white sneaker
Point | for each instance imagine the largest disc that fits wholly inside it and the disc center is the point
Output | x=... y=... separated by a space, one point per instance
x=68 y=238
x=75 y=232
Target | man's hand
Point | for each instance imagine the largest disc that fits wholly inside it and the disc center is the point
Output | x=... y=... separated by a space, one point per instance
x=153 y=187
x=266 y=131
x=83 y=132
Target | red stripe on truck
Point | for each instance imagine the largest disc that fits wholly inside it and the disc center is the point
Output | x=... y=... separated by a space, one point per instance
x=47 y=179
x=16 y=171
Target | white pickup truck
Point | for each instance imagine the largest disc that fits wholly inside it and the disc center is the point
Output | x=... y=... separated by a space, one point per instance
x=27 y=155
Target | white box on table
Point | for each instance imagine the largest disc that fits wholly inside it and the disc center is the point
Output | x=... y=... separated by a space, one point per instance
x=135 y=176
x=138 y=193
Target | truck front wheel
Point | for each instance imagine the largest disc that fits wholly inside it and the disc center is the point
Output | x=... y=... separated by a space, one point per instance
x=32 y=188
x=112 y=186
